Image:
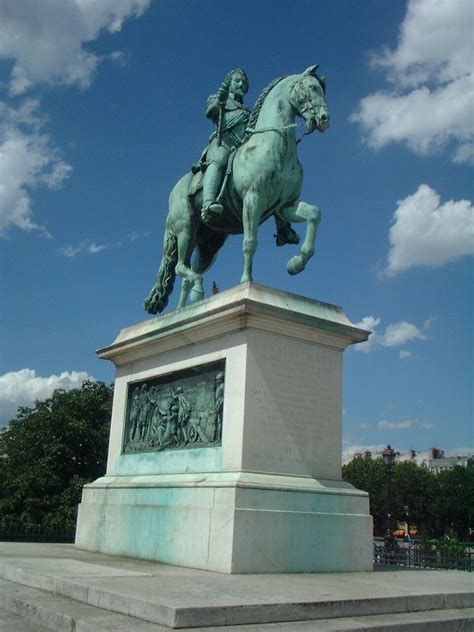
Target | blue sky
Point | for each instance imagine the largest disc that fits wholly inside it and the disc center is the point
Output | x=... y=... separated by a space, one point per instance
x=102 y=110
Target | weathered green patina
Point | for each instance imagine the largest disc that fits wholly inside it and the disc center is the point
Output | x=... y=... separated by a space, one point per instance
x=263 y=179
x=183 y=409
x=230 y=116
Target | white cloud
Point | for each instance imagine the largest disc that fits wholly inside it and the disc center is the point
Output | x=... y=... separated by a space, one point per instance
x=369 y=323
x=28 y=159
x=435 y=42
x=88 y=247
x=398 y=334
x=432 y=101
x=350 y=448
x=462 y=451
x=426 y=232
x=406 y=424
x=22 y=388
x=135 y=235
x=395 y=334
x=45 y=42
x=46 y=39
x=426 y=120
x=119 y=57
x=396 y=425
x=404 y=354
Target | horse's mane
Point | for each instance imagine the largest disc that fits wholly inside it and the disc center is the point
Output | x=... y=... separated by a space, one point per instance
x=258 y=105
x=259 y=102
x=263 y=95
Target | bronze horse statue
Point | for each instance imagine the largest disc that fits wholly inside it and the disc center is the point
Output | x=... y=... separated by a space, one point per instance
x=265 y=180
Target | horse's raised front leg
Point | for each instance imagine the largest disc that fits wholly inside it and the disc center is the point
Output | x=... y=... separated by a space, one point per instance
x=250 y=220
x=302 y=212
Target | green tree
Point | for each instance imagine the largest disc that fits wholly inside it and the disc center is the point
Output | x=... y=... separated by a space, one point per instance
x=442 y=503
x=369 y=475
x=454 y=501
x=49 y=452
x=412 y=494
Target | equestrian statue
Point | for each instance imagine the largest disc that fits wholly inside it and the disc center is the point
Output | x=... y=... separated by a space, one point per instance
x=249 y=172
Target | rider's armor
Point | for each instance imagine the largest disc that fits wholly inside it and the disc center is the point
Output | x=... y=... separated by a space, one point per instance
x=231 y=119
x=234 y=120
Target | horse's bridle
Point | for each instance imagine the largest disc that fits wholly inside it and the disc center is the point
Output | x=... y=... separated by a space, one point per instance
x=280 y=130
x=307 y=106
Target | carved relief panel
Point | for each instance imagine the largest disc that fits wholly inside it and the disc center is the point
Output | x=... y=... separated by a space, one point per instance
x=179 y=410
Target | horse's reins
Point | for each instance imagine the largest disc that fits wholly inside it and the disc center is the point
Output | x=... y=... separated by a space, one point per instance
x=279 y=130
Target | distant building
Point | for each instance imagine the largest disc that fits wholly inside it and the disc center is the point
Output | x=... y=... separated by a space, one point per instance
x=434 y=460
x=438 y=462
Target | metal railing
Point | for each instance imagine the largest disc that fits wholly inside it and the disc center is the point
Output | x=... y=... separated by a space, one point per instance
x=419 y=555
x=57 y=537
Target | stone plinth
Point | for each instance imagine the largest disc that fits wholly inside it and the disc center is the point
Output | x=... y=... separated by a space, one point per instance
x=268 y=497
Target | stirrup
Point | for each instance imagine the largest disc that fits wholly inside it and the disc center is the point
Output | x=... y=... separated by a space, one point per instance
x=211 y=211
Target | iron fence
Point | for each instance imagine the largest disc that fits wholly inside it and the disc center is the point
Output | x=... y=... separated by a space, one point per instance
x=56 y=537
x=423 y=556
x=413 y=554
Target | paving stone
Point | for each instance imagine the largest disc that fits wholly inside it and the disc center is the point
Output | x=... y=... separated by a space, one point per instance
x=10 y=622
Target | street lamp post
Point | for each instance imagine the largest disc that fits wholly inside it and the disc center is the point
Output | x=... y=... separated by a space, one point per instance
x=389 y=459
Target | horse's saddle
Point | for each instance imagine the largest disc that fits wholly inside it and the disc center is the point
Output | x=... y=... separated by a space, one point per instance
x=196 y=182
x=230 y=221
x=231 y=218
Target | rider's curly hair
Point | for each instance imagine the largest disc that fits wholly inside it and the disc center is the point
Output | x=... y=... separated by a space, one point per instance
x=241 y=71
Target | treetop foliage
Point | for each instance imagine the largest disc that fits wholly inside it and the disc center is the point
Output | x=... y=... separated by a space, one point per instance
x=434 y=503
x=49 y=452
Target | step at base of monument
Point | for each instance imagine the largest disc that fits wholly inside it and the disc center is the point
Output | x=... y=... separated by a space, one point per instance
x=54 y=612
x=85 y=594
x=34 y=610
x=165 y=597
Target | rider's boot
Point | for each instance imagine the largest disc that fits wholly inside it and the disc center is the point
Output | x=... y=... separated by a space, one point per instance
x=211 y=209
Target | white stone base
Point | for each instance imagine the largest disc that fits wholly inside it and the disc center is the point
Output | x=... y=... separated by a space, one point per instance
x=230 y=523
x=270 y=499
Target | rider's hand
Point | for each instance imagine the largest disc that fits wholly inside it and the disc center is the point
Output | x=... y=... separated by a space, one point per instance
x=222 y=92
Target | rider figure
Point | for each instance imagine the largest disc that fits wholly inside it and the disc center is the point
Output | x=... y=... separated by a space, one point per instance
x=230 y=116
x=228 y=112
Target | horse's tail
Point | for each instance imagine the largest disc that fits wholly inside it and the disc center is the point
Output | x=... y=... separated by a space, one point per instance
x=157 y=300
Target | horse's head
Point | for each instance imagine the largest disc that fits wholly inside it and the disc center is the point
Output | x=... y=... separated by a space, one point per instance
x=307 y=96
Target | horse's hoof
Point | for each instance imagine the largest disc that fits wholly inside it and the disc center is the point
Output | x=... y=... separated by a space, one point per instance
x=293 y=237
x=197 y=291
x=295 y=265
x=287 y=236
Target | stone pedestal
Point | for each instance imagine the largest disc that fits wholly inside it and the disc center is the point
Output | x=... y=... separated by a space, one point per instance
x=266 y=497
